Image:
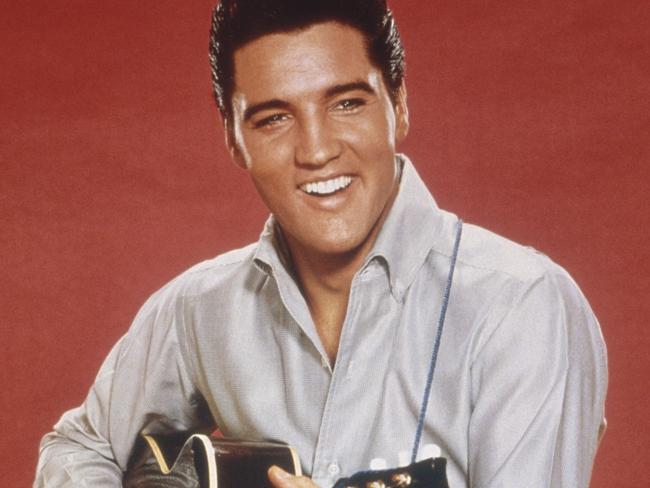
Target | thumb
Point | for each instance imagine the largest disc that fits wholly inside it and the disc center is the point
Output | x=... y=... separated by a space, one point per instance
x=279 y=477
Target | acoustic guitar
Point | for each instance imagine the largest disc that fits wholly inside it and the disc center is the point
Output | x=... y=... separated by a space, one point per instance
x=202 y=461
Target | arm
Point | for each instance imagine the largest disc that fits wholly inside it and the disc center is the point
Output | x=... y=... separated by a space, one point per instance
x=539 y=383
x=143 y=384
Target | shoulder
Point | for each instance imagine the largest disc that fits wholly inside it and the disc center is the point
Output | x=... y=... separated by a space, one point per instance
x=491 y=269
x=484 y=250
x=515 y=271
x=522 y=297
x=221 y=274
x=220 y=270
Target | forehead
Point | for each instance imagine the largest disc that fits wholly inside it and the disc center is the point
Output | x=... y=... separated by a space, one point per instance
x=296 y=63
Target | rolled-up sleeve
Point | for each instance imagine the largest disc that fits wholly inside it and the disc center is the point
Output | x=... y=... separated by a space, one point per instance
x=144 y=384
x=539 y=384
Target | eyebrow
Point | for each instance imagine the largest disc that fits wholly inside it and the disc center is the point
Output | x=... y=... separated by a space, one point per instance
x=347 y=87
x=330 y=92
x=268 y=105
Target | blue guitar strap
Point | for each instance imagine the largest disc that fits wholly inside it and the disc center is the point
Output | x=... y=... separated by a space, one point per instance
x=427 y=473
x=436 y=344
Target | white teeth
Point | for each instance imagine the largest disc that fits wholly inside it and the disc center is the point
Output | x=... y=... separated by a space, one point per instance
x=326 y=187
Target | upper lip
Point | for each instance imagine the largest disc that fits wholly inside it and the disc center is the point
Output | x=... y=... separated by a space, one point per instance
x=324 y=178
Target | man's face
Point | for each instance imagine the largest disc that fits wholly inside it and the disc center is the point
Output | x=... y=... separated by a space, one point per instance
x=314 y=124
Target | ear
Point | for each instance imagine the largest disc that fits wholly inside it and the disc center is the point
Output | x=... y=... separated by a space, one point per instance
x=231 y=143
x=401 y=114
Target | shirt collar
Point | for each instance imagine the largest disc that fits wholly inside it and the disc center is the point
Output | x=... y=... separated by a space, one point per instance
x=409 y=231
x=271 y=252
x=413 y=226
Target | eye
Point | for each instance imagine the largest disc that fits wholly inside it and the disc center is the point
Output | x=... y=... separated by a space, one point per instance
x=270 y=121
x=349 y=104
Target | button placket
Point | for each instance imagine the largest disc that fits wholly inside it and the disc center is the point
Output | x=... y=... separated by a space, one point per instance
x=333 y=469
x=323 y=464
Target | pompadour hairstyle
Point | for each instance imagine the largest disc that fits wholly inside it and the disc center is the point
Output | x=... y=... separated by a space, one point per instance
x=237 y=22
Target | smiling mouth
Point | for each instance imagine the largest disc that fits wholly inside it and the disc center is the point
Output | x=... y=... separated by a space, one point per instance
x=326 y=187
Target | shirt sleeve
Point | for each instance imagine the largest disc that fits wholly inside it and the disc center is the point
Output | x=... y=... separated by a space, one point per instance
x=144 y=384
x=538 y=390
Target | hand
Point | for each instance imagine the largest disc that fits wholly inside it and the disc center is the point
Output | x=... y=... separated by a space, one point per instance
x=281 y=479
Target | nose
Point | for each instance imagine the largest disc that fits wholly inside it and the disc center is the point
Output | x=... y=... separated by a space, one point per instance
x=317 y=142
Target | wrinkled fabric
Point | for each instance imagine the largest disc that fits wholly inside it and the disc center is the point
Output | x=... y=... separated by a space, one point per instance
x=517 y=397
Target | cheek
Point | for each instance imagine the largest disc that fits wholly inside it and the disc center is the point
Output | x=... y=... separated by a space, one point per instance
x=268 y=155
x=374 y=134
x=267 y=182
x=275 y=187
x=268 y=193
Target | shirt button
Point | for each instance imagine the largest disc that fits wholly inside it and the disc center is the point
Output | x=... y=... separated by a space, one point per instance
x=333 y=469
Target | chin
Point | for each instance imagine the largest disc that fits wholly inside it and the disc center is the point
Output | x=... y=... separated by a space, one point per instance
x=338 y=245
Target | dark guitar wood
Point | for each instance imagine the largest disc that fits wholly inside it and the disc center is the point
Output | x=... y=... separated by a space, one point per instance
x=201 y=461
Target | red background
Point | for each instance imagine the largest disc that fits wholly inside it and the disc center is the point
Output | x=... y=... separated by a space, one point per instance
x=530 y=118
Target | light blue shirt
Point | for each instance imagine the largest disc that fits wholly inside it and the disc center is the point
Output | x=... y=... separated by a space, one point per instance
x=517 y=398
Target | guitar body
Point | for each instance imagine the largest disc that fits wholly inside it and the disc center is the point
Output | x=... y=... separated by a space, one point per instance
x=201 y=461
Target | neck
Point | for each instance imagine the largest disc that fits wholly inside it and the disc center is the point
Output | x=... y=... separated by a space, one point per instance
x=329 y=274
x=326 y=280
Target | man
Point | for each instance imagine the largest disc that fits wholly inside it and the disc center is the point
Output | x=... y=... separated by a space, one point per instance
x=321 y=333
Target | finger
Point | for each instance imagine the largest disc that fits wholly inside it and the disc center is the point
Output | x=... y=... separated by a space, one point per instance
x=281 y=479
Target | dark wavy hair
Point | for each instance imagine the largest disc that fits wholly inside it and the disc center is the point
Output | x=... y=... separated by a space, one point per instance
x=237 y=22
